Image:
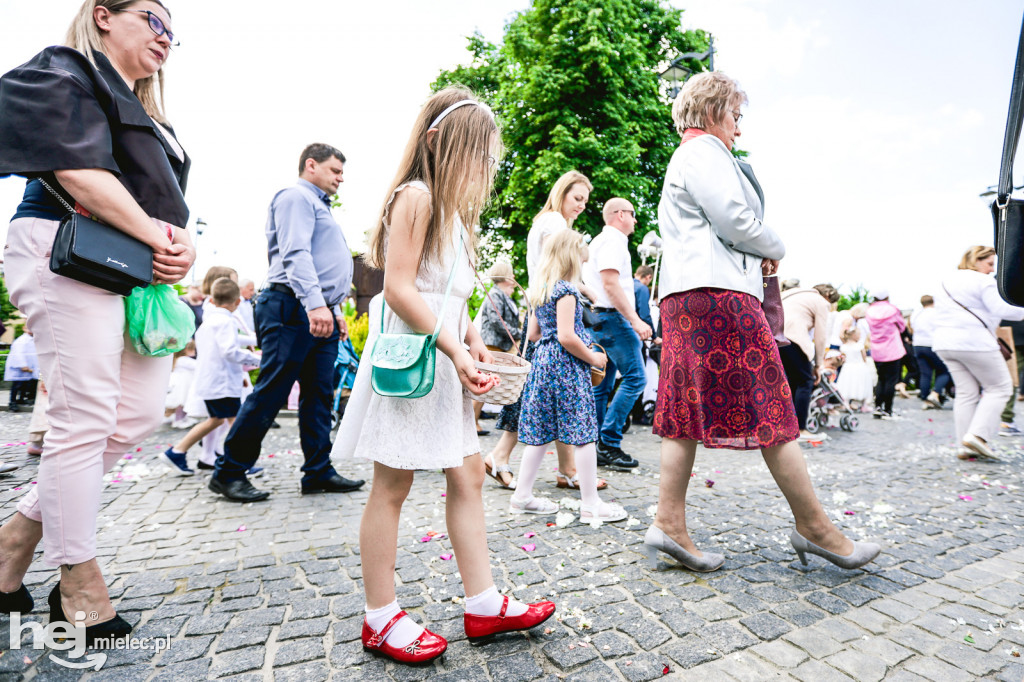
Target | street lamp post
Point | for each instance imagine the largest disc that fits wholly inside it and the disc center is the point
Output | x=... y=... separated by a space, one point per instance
x=200 y=228
x=677 y=72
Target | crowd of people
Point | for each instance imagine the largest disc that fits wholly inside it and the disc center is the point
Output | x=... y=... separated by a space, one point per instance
x=589 y=324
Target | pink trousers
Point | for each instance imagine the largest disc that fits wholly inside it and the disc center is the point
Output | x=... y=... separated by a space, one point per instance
x=104 y=397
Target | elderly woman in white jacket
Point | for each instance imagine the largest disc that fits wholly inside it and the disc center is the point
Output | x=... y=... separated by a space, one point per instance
x=721 y=380
x=967 y=312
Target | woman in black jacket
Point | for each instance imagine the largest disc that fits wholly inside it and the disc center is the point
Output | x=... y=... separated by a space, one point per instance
x=85 y=119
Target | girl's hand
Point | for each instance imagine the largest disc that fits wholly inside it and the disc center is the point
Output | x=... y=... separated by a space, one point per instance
x=600 y=360
x=472 y=379
x=769 y=266
x=480 y=353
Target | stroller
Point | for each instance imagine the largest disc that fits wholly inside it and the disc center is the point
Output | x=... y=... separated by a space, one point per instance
x=830 y=409
x=344 y=377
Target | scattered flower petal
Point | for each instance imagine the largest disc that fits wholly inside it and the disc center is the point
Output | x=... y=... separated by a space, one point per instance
x=850 y=513
x=446 y=557
x=966 y=498
x=529 y=534
x=241 y=528
x=530 y=547
x=708 y=483
x=665 y=670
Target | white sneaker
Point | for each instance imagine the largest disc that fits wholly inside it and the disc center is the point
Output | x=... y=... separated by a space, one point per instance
x=186 y=423
x=977 y=448
x=534 y=505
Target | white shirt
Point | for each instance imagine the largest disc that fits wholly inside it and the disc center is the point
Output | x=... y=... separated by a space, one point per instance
x=244 y=313
x=923 y=324
x=219 y=357
x=957 y=329
x=609 y=251
x=543 y=227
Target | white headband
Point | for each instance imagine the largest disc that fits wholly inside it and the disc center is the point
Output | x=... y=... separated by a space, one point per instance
x=440 y=117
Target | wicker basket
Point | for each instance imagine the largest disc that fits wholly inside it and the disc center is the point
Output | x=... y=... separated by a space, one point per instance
x=512 y=370
x=597 y=373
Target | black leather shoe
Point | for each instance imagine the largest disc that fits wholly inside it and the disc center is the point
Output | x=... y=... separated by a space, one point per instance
x=275 y=425
x=19 y=601
x=335 y=483
x=106 y=632
x=613 y=456
x=238 y=491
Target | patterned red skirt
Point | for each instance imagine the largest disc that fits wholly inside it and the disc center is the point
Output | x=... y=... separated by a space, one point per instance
x=721 y=380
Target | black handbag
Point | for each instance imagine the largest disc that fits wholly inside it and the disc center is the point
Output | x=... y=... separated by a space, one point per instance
x=89 y=251
x=1008 y=213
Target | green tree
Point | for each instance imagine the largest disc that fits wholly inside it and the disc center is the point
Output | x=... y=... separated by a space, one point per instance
x=575 y=85
x=7 y=309
x=858 y=294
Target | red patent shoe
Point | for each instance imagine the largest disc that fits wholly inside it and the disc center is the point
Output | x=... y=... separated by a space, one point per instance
x=480 y=629
x=420 y=652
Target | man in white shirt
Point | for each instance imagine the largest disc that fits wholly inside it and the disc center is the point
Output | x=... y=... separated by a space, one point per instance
x=248 y=289
x=923 y=324
x=609 y=274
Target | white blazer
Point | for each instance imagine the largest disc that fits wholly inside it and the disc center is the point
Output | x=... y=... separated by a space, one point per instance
x=219 y=357
x=957 y=329
x=710 y=223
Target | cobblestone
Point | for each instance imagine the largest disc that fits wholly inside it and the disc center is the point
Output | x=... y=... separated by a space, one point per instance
x=273 y=591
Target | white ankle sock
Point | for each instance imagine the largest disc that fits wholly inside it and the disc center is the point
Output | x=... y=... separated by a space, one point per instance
x=488 y=603
x=402 y=634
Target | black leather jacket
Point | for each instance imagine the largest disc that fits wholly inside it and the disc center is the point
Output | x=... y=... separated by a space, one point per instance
x=60 y=112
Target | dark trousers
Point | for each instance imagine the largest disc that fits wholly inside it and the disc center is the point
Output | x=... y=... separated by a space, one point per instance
x=800 y=374
x=885 y=389
x=290 y=354
x=931 y=364
x=23 y=392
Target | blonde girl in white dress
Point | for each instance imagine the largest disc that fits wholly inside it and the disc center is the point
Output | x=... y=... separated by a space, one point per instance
x=427 y=224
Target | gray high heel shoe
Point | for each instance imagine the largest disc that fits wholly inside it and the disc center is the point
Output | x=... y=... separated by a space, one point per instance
x=863 y=552
x=656 y=541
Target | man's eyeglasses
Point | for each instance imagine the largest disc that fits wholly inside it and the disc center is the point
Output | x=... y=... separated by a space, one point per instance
x=631 y=213
x=736 y=116
x=156 y=24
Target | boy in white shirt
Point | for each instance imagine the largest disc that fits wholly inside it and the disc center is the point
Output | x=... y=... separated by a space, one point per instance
x=218 y=375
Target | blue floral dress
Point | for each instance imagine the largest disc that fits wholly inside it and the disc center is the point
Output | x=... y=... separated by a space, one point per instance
x=558 y=403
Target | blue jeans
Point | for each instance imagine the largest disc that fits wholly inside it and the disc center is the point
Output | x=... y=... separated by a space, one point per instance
x=929 y=363
x=622 y=345
x=290 y=354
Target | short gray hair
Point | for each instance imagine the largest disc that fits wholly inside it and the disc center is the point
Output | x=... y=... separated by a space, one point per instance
x=704 y=100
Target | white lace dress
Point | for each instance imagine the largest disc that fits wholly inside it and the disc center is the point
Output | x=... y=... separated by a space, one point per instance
x=433 y=432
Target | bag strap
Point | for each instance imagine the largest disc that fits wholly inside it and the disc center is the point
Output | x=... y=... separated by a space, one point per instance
x=487 y=295
x=970 y=311
x=447 y=290
x=1014 y=120
x=61 y=199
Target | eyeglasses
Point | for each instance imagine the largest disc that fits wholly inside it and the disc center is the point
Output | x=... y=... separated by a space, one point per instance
x=737 y=117
x=156 y=24
x=491 y=161
x=631 y=213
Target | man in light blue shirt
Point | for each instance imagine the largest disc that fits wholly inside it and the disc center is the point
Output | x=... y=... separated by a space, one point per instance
x=298 y=324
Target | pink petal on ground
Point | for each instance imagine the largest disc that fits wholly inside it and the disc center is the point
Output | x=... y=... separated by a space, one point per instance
x=446 y=557
x=444 y=494
x=966 y=498
x=241 y=528
x=32 y=483
x=529 y=534
x=18 y=488
x=127 y=456
x=425 y=538
x=271 y=454
x=530 y=547
x=138 y=449
x=709 y=483
x=850 y=513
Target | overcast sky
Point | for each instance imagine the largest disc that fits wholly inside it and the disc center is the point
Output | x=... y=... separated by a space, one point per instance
x=873 y=126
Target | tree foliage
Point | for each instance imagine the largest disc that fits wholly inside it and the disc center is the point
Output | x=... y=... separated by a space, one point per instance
x=575 y=85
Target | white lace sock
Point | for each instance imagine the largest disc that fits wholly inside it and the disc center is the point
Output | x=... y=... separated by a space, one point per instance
x=488 y=602
x=586 y=469
x=405 y=631
x=528 y=470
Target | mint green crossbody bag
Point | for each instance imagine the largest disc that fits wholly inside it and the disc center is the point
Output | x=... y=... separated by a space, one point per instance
x=403 y=364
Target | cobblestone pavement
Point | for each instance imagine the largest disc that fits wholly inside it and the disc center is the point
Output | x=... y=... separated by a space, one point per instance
x=273 y=590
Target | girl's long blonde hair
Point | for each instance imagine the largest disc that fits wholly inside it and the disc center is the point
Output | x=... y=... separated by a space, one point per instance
x=561 y=187
x=561 y=257
x=457 y=167
x=86 y=38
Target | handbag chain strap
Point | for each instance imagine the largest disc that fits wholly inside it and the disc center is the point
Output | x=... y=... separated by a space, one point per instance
x=62 y=200
x=971 y=312
x=447 y=290
x=1014 y=120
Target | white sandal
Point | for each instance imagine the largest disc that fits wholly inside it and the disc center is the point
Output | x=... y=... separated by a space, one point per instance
x=535 y=505
x=615 y=513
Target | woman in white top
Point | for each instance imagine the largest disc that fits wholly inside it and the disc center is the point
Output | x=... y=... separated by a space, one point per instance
x=967 y=311
x=566 y=201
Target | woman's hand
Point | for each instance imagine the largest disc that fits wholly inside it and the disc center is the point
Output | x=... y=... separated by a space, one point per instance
x=769 y=266
x=171 y=265
x=472 y=379
x=600 y=360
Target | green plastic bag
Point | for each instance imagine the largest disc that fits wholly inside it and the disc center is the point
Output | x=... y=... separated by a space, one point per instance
x=159 y=323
